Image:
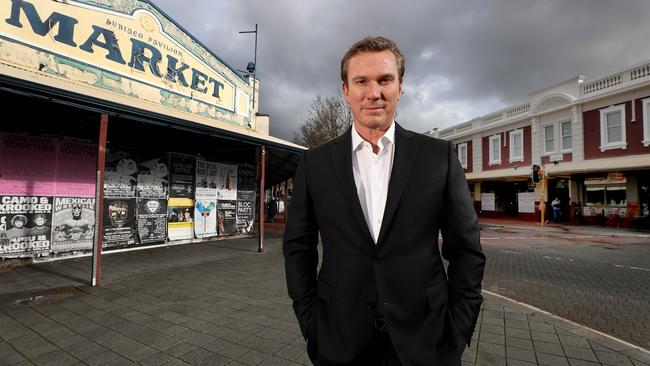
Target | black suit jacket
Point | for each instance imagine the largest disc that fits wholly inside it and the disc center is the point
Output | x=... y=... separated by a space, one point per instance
x=430 y=315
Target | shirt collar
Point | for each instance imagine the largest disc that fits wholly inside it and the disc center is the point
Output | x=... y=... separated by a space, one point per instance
x=388 y=137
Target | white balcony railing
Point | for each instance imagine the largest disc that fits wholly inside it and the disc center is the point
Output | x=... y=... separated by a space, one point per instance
x=620 y=79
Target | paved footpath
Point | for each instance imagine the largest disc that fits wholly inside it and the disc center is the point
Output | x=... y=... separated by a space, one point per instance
x=222 y=303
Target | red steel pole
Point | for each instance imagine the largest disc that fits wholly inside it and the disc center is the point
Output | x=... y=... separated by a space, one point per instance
x=262 y=156
x=99 y=201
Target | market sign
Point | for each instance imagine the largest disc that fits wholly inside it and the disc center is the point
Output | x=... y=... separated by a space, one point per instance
x=130 y=45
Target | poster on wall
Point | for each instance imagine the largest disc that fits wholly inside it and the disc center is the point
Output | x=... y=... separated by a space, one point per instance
x=27 y=165
x=121 y=174
x=206 y=180
x=180 y=218
x=25 y=224
x=246 y=178
x=245 y=198
x=226 y=182
x=487 y=202
x=152 y=177
x=526 y=202
x=181 y=176
x=119 y=222
x=152 y=220
x=205 y=218
x=227 y=217
x=76 y=169
x=73 y=224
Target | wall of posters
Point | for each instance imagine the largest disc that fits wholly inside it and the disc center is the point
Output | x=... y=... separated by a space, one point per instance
x=152 y=177
x=181 y=176
x=27 y=165
x=73 y=224
x=227 y=217
x=206 y=180
x=119 y=222
x=121 y=174
x=180 y=218
x=76 y=169
x=25 y=224
x=226 y=182
x=205 y=218
x=152 y=220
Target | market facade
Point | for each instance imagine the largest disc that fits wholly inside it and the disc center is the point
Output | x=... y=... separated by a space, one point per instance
x=590 y=137
x=125 y=132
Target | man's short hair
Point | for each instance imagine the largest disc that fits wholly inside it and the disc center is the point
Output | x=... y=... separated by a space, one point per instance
x=373 y=44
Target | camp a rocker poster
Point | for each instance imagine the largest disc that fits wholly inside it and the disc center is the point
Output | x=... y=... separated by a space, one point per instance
x=25 y=224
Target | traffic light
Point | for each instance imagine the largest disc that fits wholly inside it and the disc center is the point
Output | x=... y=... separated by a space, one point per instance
x=536 y=177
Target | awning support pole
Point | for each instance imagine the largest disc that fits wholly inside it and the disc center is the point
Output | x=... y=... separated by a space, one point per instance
x=99 y=202
x=262 y=164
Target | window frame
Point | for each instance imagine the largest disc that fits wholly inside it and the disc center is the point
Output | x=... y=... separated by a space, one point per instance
x=512 y=158
x=463 y=146
x=604 y=145
x=544 y=138
x=570 y=135
x=646 y=121
x=492 y=159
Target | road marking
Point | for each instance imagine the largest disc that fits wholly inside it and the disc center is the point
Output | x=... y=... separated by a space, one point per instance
x=559 y=259
x=511 y=252
x=632 y=267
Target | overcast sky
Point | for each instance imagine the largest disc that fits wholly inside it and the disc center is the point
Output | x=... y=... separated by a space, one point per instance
x=463 y=58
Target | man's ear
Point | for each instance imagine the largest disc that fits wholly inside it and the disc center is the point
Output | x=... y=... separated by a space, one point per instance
x=344 y=87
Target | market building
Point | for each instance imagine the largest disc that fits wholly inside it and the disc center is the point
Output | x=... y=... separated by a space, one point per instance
x=591 y=137
x=123 y=131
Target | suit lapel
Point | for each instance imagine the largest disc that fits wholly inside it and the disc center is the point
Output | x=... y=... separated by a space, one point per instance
x=343 y=153
x=405 y=151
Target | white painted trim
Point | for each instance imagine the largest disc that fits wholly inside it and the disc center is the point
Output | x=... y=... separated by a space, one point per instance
x=511 y=157
x=603 y=128
x=463 y=146
x=646 y=121
x=493 y=159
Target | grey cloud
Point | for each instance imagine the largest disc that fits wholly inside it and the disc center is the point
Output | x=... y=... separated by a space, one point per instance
x=464 y=58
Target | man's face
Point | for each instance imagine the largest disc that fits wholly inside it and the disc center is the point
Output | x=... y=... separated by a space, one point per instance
x=373 y=89
x=19 y=223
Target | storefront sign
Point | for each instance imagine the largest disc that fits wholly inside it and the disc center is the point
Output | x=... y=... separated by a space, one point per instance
x=133 y=46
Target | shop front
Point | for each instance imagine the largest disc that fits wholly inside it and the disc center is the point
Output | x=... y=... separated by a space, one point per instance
x=126 y=132
x=614 y=198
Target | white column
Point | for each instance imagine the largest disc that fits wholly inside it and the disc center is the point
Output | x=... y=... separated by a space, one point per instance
x=577 y=134
x=535 y=140
x=477 y=153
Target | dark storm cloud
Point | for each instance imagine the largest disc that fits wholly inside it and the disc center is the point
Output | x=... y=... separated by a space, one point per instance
x=464 y=58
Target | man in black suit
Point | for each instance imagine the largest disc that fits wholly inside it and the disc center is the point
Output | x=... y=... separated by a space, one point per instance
x=378 y=195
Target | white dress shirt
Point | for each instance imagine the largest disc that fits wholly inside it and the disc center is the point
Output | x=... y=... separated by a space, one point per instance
x=372 y=174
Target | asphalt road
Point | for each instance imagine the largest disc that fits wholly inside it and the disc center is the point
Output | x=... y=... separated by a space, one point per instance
x=596 y=280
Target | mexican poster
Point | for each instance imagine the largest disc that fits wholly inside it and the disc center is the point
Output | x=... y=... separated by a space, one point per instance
x=205 y=218
x=181 y=176
x=206 y=180
x=152 y=177
x=73 y=224
x=119 y=222
x=180 y=218
x=27 y=165
x=121 y=174
x=76 y=169
x=152 y=220
x=227 y=217
x=245 y=198
x=226 y=182
x=25 y=224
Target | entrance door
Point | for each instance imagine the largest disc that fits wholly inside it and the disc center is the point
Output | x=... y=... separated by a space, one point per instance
x=558 y=188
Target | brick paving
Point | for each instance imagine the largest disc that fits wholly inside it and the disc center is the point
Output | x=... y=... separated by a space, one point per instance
x=222 y=303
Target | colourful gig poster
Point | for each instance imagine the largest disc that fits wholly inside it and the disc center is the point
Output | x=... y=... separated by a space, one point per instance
x=27 y=165
x=73 y=224
x=180 y=218
x=226 y=182
x=76 y=169
x=205 y=218
x=25 y=224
